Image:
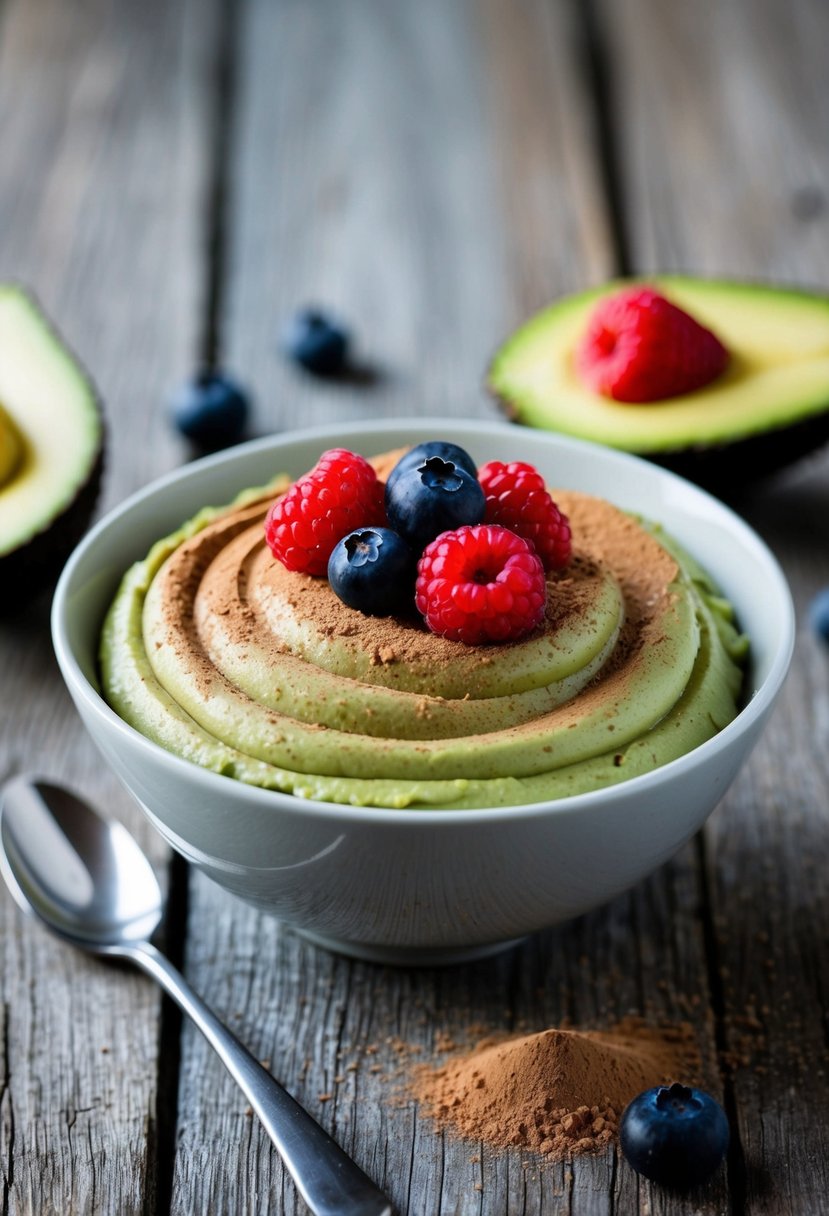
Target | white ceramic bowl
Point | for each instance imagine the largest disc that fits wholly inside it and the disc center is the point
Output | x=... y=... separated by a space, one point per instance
x=426 y=886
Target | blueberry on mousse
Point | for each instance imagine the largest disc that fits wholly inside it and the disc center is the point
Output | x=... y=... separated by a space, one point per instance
x=372 y=570
x=431 y=497
x=437 y=447
x=317 y=342
x=674 y=1135
x=211 y=410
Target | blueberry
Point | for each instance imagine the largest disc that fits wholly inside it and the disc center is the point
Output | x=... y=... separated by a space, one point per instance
x=211 y=410
x=674 y=1135
x=316 y=341
x=436 y=447
x=373 y=570
x=433 y=497
x=819 y=614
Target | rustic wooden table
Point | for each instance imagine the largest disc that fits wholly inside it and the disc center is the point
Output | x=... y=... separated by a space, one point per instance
x=177 y=177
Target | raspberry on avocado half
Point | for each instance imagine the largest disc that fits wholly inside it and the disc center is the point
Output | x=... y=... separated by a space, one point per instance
x=769 y=407
x=638 y=346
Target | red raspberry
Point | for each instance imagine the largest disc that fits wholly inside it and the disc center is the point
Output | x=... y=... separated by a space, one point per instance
x=517 y=498
x=480 y=583
x=339 y=494
x=641 y=347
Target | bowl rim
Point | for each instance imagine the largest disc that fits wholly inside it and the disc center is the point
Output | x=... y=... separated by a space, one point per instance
x=675 y=770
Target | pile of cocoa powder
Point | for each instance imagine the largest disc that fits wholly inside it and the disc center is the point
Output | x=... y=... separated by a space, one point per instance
x=559 y=1092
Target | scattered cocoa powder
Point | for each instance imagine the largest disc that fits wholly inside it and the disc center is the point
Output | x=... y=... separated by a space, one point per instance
x=560 y=1091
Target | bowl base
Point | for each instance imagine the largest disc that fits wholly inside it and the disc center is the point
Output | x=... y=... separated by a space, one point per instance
x=408 y=956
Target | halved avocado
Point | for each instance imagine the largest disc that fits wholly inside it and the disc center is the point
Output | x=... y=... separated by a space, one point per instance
x=51 y=449
x=769 y=407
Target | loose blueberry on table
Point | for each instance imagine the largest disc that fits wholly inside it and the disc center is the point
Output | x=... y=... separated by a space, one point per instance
x=819 y=615
x=674 y=1135
x=317 y=342
x=211 y=410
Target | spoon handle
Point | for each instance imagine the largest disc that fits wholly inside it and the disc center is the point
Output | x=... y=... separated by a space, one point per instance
x=328 y=1180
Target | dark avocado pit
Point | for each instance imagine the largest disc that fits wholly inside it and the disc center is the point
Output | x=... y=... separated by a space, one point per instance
x=51 y=450
x=769 y=408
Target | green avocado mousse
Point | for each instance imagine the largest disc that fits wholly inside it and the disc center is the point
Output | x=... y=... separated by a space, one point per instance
x=225 y=657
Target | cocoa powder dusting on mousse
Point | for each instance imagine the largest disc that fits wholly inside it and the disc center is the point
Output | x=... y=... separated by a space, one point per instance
x=559 y=1092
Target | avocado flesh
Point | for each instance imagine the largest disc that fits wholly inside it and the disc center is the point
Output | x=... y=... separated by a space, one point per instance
x=51 y=436
x=778 y=375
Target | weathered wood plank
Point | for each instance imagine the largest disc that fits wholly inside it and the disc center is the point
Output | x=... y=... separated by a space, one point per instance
x=100 y=128
x=379 y=147
x=430 y=171
x=553 y=216
x=722 y=112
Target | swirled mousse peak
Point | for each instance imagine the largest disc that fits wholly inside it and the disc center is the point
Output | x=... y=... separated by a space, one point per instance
x=221 y=654
x=475 y=582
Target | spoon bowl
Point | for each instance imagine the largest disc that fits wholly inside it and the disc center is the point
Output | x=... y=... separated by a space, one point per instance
x=83 y=875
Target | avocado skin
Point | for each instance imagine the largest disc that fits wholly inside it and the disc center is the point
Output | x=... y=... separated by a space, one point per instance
x=726 y=467
x=34 y=566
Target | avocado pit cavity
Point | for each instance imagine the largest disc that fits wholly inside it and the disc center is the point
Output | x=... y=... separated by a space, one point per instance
x=11 y=448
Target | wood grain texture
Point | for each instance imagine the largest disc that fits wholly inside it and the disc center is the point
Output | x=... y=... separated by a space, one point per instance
x=100 y=129
x=377 y=145
x=721 y=113
x=553 y=210
x=728 y=173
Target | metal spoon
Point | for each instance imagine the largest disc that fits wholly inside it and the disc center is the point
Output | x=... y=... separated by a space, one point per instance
x=88 y=880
